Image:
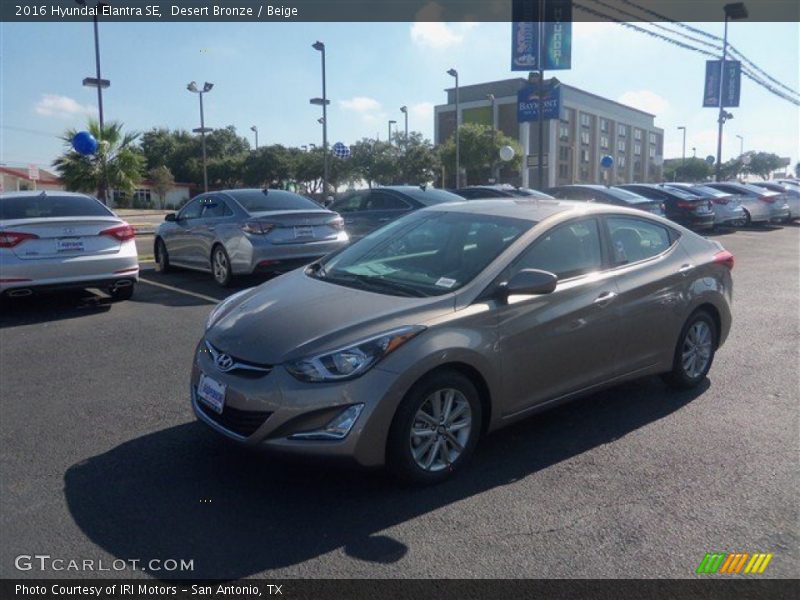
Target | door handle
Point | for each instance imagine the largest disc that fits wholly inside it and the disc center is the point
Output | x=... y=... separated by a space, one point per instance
x=604 y=299
x=685 y=269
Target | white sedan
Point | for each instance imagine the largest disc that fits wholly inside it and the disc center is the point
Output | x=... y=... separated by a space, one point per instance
x=53 y=240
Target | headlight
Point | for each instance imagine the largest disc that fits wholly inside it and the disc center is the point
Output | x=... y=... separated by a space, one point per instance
x=352 y=361
x=222 y=307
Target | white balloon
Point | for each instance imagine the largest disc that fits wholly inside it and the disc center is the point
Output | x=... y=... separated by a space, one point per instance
x=506 y=153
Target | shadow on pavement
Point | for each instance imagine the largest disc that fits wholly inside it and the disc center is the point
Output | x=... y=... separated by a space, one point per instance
x=185 y=493
x=52 y=306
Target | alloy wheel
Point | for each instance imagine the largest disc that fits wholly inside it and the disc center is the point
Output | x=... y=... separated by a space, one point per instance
x=696 y=351
x=220 y=265
x=440 y=430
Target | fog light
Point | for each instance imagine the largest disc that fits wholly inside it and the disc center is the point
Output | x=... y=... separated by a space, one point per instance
x=336 y=429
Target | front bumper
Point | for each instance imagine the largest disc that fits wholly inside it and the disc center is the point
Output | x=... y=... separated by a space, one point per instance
x=261 y=412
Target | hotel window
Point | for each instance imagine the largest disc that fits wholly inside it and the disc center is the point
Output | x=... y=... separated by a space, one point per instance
x=623 y=130
x=637 y=148
x=584 y=119
x=637 y=134
x=652 y=151
x=584 y=137
x=563 y=131
x=584 y=156
x=621 y=145
x=604 y=141
x=621 y=161
x=603 y=124
x=652 y=138
x=563 y=171
x=563 y=153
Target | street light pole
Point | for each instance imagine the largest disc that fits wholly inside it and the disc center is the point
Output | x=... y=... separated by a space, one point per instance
x=741 y=145
x=99 y=84
x=494 y=138
x=454 y=73
x=254 y=129
x=683 y=154
x=320 y=47
x=404 y=110
x=733 y=11
x=192 y=87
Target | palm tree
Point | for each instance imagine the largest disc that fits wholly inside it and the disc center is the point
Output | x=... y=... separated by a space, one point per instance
x=117 y=164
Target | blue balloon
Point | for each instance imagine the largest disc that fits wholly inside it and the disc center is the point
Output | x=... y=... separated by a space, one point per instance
x=607 y=162
x=340 y=150
x=84 y=143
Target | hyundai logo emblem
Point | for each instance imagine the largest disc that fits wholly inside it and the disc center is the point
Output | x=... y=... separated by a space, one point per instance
x=224 y=362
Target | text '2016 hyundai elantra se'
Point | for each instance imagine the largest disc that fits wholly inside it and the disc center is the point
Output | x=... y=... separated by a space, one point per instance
x=405 y=347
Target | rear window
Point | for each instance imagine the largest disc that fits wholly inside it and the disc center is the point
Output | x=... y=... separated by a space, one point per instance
x=709 y=191
x=43 y=207
x=625 y=195
x=430 y=196
x=254 y=201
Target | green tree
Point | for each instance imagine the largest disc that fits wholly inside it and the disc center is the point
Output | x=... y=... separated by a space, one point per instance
x=479 y=153
x=374 y=161
x=178 y=150
x=695 y=169
x=417 y=161
x=163 y=181
x=268 y=166
x=117 y=164
x=763 y=164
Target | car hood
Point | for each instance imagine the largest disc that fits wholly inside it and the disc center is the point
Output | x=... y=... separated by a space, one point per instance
x=295 y=315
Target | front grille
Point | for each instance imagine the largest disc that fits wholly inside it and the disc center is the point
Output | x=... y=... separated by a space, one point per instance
x=240 y=367
x=241 y=422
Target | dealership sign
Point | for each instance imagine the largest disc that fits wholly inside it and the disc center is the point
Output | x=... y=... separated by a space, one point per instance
x=548 y=22
x=732 y=83
x=528 y=99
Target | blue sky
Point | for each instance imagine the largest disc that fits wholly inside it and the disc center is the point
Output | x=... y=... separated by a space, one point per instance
x=264 y=75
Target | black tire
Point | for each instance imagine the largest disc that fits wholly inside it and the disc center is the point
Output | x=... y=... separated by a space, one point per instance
x=162 y=257
x=218 y=253
x=399 y=458
x=122 y=293
x=679 y=377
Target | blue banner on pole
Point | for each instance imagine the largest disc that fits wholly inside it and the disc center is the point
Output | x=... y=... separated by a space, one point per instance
x=732 y=85
x=528 y=102
x=553 y=26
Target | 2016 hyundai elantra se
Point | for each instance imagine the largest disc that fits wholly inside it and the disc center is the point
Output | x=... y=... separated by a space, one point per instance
x=404 y=348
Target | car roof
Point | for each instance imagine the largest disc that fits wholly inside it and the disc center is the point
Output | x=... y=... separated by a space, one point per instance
x=39 y=193
x=532 y=209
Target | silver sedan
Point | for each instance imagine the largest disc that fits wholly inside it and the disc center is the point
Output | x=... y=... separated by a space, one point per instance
x=54 y=240
x=240 y=232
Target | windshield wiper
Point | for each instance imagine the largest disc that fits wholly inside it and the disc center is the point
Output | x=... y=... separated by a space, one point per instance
x=380 y=284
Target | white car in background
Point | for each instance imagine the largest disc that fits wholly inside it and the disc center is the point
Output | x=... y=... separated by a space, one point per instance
x=52 y=240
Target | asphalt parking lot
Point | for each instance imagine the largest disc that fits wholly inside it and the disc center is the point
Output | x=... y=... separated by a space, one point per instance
x=101 y=457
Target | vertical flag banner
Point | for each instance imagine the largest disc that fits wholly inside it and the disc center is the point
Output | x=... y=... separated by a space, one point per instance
x=553 y=25
x=733 y=84
x=528 y=101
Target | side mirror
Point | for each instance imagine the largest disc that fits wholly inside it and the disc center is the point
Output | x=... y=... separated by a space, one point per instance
x=529 y=282
x=170 y=217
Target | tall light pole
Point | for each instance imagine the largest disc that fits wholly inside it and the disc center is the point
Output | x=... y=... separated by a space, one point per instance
x=733 y=12
x=683 y=154
x=391 y=122
x=100 y=84
x=192 y=87
x=694 y=152
x=404 y=110
x=454 y=73
x=254 y=129
x=492 y=99
x=741 y=145
x=320 y=47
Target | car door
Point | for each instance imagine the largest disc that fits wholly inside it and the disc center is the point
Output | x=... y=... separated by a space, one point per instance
x=215 y=213
x=555 y=344
x=650 y=272
x=382 y=207
x=180 y=240
x=350 y=210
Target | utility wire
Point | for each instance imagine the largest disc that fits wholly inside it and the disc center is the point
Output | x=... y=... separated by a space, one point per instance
x=745 y=70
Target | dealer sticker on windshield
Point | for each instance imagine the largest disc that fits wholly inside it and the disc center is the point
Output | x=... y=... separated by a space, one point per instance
x=446 y=282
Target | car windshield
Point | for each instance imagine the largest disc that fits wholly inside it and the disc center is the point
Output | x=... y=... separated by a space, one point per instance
x=529 y=193
x=254 y=201
x=46 y=206
x=428 y=253
x=430 y=196
x=756 y=189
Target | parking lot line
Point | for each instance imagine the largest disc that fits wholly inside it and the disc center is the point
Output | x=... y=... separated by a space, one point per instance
x=179 y=291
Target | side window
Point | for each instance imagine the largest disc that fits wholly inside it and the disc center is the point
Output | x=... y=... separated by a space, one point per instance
x=215 y=207
x=192 y=210
x=350 y=204
x=567 y=250
x=384 y=201
x=636 y=239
